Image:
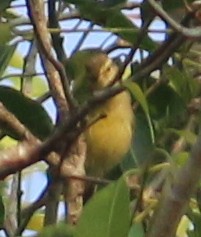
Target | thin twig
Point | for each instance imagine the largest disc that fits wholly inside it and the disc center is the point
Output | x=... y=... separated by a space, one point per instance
x=20 y=75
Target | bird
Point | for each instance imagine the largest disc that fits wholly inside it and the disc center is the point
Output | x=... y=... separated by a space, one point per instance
x=109 y=138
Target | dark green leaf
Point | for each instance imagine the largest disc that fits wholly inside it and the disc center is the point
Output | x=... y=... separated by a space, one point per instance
x=6 y=52
x=2 y=211
x=171 y=5
x=112 y=3
x=189 y=136
x=6 y=35
x=129 y=161
x=183 y=84
x=107 y=213
x=196 y=220
x=147 y=14
x=167 y=104
x=4 y=4
x=28 y=111
x=59 y=230
x=142 y=142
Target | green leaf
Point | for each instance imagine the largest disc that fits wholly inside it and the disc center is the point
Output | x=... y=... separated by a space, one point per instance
x=107 y=213
x=6 y=52
x=196 y=220
x=59 y=230
x=38 y=85
x=130 y=160
x=16 y=60
x=183 y=84
x=166 y=104
x=10 y=14
x=2 y=211
x=7 y=142
x=136 y=230
x=112 y=3
x=28 y=111
x=76 y=70
x=142 y=142
x=171 y=5
x=6 y=35
x=176 y=9
x=181 y=157
x=189 y=136
x=113 y=20
x=138 y=94
x=140 y=97
x=183 y=227
x=4 y=4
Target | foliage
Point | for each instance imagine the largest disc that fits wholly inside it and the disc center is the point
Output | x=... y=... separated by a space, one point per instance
x=107 y=212
x=155 y=190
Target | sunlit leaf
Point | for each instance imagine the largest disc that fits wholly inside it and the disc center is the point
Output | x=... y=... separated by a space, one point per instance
x=36 y=222
x=38 y=85
x=181 y=157
x=140 y=97
x=10 y=14
x=183 y=227
x=17 y=60
x=7 y=142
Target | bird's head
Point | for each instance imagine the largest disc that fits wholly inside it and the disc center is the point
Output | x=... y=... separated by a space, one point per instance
x=90 y=70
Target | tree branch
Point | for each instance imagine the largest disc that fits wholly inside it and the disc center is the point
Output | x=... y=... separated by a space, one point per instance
x=54 y=69
x=176 y=195
x=29 y=152
x=9 y=120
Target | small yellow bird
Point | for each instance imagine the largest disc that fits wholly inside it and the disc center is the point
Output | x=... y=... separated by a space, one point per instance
x=109 y=139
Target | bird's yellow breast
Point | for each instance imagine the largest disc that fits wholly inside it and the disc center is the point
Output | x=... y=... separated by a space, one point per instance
x=109 y=139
